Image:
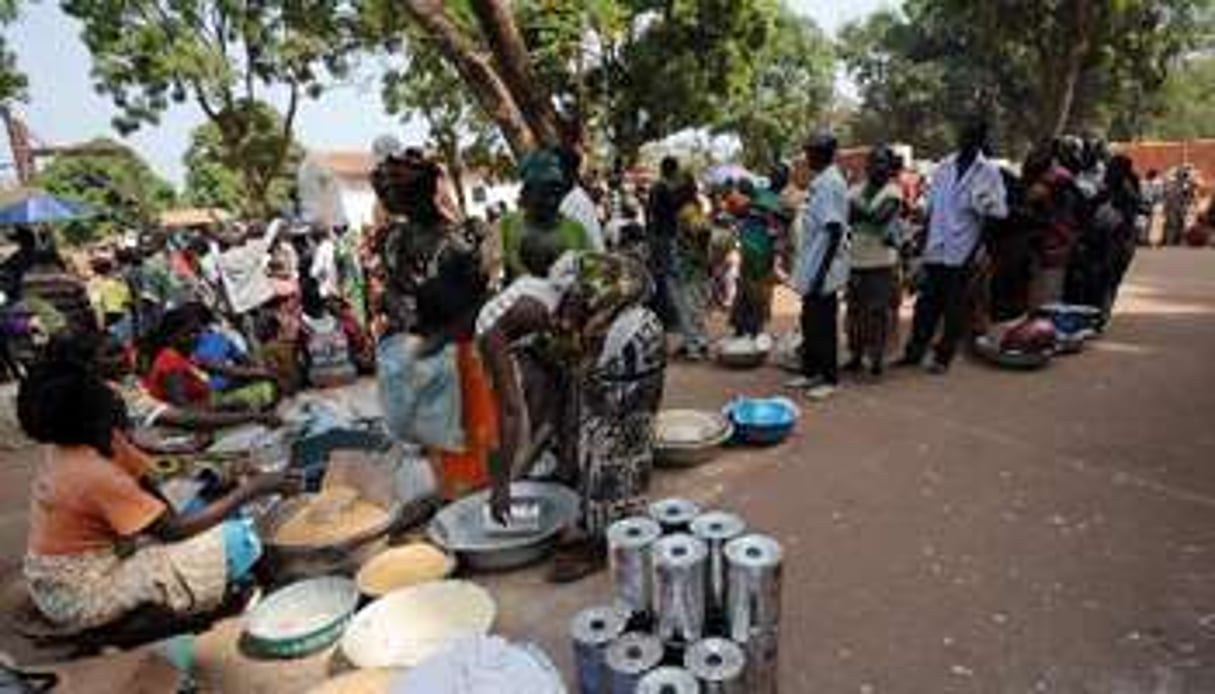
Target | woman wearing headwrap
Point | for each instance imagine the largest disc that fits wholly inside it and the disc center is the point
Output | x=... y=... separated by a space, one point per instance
x=545 y=184
x=577 y=364
x=422 y=232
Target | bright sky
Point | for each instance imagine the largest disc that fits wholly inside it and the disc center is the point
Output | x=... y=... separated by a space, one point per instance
x=64 y=109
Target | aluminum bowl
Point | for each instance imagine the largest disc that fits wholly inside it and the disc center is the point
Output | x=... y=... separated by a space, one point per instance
x=460 y=529
x=683 y=438
x=306 y=561
x=744 y=352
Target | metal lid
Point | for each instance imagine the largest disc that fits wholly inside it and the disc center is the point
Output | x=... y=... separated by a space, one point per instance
x=637 y=531
x=668 y=680
x=598 y=625
x=634 y=653
x=715 y=660
x=754 y=551
x=674 y=511
x=718 y=525
x=679 y=549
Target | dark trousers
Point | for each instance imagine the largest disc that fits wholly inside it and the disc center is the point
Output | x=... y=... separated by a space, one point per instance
x=943 y=295
x=820 y=337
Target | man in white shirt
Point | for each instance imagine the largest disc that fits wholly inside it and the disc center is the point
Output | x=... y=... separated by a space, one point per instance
x=966 y=190
x=820 y=269
x=577 y=204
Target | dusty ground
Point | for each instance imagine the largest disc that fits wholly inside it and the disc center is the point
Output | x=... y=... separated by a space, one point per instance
x=983 y=532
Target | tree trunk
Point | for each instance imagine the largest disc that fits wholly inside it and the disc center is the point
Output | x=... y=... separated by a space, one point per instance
x=1078 y=38
x=475 y=68
x=514 y=64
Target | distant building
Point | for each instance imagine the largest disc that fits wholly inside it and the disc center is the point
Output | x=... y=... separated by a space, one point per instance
x=335 y=187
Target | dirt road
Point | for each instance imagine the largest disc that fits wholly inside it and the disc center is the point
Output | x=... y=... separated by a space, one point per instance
x=985 y=531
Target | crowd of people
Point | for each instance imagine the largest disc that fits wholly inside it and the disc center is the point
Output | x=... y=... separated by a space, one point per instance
x=533 y=345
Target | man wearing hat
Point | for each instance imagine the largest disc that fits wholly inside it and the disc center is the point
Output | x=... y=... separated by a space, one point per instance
x=820 y=269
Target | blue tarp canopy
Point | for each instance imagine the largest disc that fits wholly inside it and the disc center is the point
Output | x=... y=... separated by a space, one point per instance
x=38 y=207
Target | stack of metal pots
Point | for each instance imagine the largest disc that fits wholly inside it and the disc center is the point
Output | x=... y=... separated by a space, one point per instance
x=695 y=607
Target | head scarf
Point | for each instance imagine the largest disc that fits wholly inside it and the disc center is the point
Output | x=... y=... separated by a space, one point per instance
x=541 y=167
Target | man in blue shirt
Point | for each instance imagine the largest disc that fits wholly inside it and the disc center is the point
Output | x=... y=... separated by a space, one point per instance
x=966 y=190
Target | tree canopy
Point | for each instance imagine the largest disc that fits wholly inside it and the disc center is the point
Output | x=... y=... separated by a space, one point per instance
x=1037 y=67
x=225 y=57
x=629 y=70
x=118 y=186
x=428 y=87
x=220 y=174
x=790 y=94
x=13 y=82
x=1187 y=103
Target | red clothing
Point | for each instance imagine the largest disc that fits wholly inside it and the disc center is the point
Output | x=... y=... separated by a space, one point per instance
x=169 y=363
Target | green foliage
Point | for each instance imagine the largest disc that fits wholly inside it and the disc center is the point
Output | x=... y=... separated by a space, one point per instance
x=246 y=174
x=1187 y=102
x=633 y=71
x=13 y=82
x=223 y=55
x=1037 y=67
x=790 y=93
x=117 y=185
x=430 y=88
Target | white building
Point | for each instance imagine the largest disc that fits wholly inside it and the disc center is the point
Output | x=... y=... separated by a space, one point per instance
x=335 y=187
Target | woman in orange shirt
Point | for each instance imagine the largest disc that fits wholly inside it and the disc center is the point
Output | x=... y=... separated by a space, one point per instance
x=102 y=542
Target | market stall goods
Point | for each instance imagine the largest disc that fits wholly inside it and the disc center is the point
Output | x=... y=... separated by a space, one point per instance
x=683 y=438
x=371 y=681
x=302 y=618
x=460 y=528
x=401 y=567
x=753 y=585
x=336 y=514
x=592 y=630
x=715 y=529
x=680 y=568
x=629 y=658
x=407 y=626
x=719 y=665
x=630 y=560
x=674 y=514
x=668 y=680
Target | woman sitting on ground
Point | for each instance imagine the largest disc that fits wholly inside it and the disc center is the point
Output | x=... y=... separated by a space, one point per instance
x=181 y=381
x=157 y=426
x=102 y=542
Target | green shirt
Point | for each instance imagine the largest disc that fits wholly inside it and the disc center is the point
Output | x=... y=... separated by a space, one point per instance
x=572 y=235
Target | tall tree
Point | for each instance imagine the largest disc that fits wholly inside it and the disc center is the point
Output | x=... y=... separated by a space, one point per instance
x=644 y=69
x=428 y=87
x=13 y=82
x=219 y=173
x=1187 y=103
x=223 y=55
x=1076 y=61
x=118 y=187
x=790 y=93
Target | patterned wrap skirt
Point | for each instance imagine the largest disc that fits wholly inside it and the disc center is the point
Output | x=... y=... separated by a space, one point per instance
x=92 y=589
x=617 y=401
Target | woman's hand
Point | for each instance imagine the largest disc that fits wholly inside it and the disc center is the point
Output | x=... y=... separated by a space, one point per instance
x=499 y=501
x=286 y=482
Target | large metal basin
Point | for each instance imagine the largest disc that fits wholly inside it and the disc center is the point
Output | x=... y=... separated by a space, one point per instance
x=460 y=529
